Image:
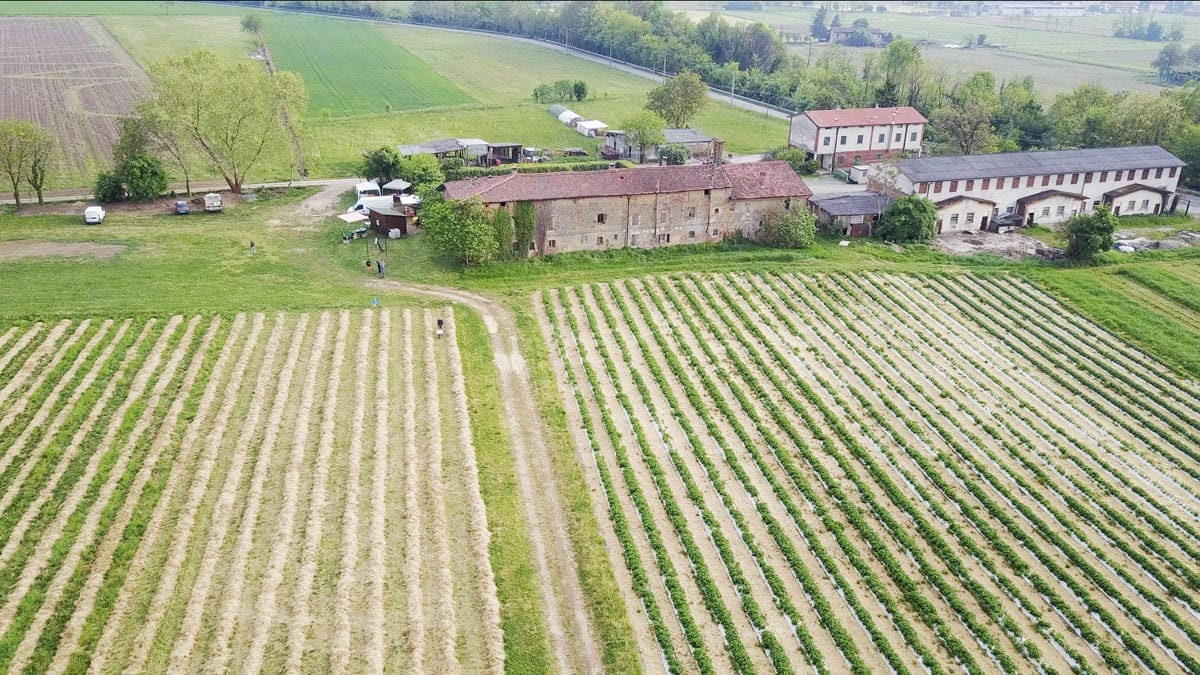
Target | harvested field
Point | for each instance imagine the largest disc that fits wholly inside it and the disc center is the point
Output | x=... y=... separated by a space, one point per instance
x=196 y=493
x=857 y=473
x=69 y=75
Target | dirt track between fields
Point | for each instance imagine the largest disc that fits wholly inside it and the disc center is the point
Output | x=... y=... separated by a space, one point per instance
x=15 y=250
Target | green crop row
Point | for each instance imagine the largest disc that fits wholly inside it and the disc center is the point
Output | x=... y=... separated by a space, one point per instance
x=1164 y=283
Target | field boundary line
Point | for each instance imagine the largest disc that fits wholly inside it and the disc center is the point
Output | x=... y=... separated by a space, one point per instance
x=477 y=529
x=341 y=647
x=113 y=534
x=227 y=616
x=181 y=652
x=180 y=536
x=298 y=624
x=281 y=546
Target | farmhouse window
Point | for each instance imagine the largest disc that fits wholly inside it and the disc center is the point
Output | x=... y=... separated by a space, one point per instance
x=1045 y=180
x=1130 y=205
x=633 y=239
x=924 y=188
x=970 y=185
x=1074 y=178
x=1103 y=176
x=664 y=238
x=860 y=137
x=1158 y=173
x=1145 y=204
x=1008 y=211
x=1129 y=175
x=599 y=240
x=1061 y=209
x=825 y=141
x=717 y=210
x=882 y=138
x=1029 y=181
x=1173 y=170
x=999 y=183
x=913 y=137
x=843 y=140
x=1045 y=211
x=516 y=247
x=857 y=159
x=841 y=159
x=716 y=233
x=691 y=212
x=601 y=218
x=1095 y=204
x=691 y=234
x=937 y=187
x=954 y=186
x=1074 y=212
x=1145 y=174
x=552 y=244
x=1087 y=178
x=954 y=219
x=662 y=217
x=898 y=137
x=1059 y=179
x=503 y=204
x=970 y=217
x=707 y=192
x=987 y=184
x=583 y=239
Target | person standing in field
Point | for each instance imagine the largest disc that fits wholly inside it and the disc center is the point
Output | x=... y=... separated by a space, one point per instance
x=252 y=249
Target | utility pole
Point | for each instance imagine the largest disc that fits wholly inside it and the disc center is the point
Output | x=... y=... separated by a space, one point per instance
x=732 y=86
x=664 y=66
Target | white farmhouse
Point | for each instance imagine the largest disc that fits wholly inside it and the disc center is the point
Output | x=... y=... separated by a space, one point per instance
x=843 y=138
x=980 y=192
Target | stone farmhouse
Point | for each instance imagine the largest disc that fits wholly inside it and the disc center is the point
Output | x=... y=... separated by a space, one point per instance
x=991 y=192
x=839 y=139
x=646 y=207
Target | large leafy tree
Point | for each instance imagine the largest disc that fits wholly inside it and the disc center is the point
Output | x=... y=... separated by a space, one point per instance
x=382 y=164
x=461 y=230
x=679 y=98
x=144 y=177
x=964 y=129
x=790 y=228
x=524 y=225
x=423 y=171
x=909 y=218
x=645 y=129
x=234 y=113
x=1090 y=233
x=25 y=150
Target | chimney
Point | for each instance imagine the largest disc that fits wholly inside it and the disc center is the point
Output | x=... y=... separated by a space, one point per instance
x=718 y=150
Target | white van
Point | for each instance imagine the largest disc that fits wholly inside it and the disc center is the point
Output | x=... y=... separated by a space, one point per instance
x=385 y=202
x=93 y=215
x=212 y=202
x=367 y=189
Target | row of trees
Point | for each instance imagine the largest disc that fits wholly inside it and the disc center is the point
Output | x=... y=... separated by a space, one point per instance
x=25 y=153
x=561 y=90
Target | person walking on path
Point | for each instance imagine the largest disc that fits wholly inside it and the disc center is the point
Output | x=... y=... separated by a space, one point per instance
x=379 y=267
x=252 y=249
x=368 y=265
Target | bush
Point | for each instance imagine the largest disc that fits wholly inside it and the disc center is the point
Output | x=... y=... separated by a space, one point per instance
x=792 y=228
x=451 y=163
x=144 y=177
x=461 y=230
x=910 y=218
x=799 y=160
x=108 y=188
x=674 y=154
x=1089 y=234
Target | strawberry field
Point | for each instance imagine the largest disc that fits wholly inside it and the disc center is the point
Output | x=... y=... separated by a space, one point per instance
x=248 y=493
x=871 y=473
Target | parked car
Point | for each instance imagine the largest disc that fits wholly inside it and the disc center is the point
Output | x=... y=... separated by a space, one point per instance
x=93 y=215
x=182 y=208
x=212 y=202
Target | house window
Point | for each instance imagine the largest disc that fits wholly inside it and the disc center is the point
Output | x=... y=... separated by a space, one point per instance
x=716 y=233
x=1158 y=173
x=1008 y=211
x=1173 y=170
x=503 y=204
x=1074 y=178
x=842 y=159
x=842 y=140
x=970 y=185
x=882 y=138
x=860 y=137
x=898 y=136
x=550 y=244
x=1045 y=180
x=1145 y=174
x=662 y=217
x=924 y=188
x=1045 y=211
x=987 y=183
x=1130 y=205
x=706 y=192
x=1095 y=204
x=691 y=212
x=1103 y=176
x=1145 y=204
x=599 y=240
x=633 y=239
x=1087 y=178
x=970 y=217
x=1061 y=210
x=913 y=137
x=601 y=218
x=857 y=159
x=691 y=234
x=999 y=183
x=583 y=239
x=937 y=187
x=717 y=210
x=532 y=246
x=954 y=186
x=954 y=219
x=1029 y=181
x=664 y=238
x=1128 y=175
x=825 y=141
x=1059 y=179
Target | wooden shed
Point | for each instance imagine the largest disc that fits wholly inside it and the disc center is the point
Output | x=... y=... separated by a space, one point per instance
x=392 y=222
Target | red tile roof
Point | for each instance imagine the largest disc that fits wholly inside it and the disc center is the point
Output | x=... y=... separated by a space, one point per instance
x=861 y=117
x=756 y=180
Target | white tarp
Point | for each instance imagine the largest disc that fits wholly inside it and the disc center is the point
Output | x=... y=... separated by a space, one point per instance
x=353 y=217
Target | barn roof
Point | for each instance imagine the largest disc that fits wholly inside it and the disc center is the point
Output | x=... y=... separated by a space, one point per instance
x=1130 y=189
x=853 y=204
x=755 y=180
x=861 y=117
x=959 y=167
x=437 y=147
x=686 y=136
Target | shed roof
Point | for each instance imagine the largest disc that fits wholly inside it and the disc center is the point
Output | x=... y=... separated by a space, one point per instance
x=746 y=181
x=861 y=117
x=595 y=125
x=686 y=136
x=471 y=141
x=962 y=198
x=853 y=204
x=1130 y=189
x=1047 y=194
x=432 y=147
x=397 y=184
x=959 y=167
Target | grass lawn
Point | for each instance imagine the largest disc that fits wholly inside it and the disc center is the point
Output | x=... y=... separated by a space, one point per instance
x=155 y=38
x=351 y=69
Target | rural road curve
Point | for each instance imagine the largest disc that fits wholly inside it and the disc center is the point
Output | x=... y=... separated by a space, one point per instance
x=572 y=637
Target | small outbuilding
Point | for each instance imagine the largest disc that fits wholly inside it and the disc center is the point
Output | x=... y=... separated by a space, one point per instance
x=590 y=128
x=852 y=214
x=1137 y=199
x=505 y=153
x=396 y=186
x=392 y=222
x=441 y=149
x=964 y=213
x=1050 y=206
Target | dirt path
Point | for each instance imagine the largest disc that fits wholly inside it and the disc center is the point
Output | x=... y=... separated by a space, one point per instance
x=324 y=203
x=572 y=636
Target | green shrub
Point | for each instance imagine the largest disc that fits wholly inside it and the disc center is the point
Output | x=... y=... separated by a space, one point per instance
x=674 y=154
x=108 y=188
